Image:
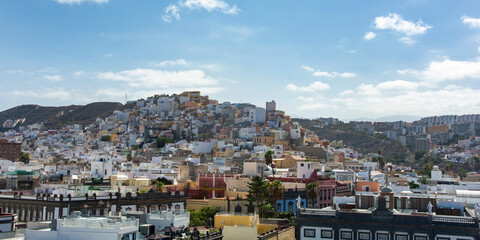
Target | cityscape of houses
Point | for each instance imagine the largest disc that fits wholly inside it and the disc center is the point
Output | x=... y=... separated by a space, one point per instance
x=185 y=166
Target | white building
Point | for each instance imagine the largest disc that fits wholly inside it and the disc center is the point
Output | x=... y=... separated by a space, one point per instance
x=101 y=168
x=177 y=218
x=91 y=228
x=257 y=115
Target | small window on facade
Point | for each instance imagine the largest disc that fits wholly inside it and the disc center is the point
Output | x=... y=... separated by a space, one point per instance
x=364 y=236
x=382 y=236
x=344 y=235
x=327 y=234
x=307 y=232
x=401 y=237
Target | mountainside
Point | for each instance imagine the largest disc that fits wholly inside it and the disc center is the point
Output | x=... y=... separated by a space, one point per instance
x=360 y=141
x=58 y=116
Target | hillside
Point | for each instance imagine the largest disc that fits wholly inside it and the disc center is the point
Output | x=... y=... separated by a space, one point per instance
x=362 y=142
x=53 y=117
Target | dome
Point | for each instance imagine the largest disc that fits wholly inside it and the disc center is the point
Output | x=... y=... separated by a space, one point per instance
x=386 y=190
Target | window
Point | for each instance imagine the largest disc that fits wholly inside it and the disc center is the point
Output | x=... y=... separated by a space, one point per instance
x=344 y=235
x=420 y=238
x=382 y=236
x=401 y=237
x=443 y=238
x=327 y=234
x=364 y=236
x=308 y=232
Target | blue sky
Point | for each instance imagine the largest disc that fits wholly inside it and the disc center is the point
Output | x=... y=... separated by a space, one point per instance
x=345 y=59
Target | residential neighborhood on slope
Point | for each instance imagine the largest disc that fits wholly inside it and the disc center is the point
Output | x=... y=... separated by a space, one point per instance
x=185 y=166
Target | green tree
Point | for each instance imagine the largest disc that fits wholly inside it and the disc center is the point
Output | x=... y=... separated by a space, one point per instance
x=423 y=180
x=462 y=172
x=25 y=157
x=413 y=185
x=419 y=155
x=105 y=138
x=257 y=191
x=275 y=190
x=161 y=141
x=158 y=185
x=129 y=156
x=312 y=189
x=197 y=218
x=267 y=211
x=203 y=216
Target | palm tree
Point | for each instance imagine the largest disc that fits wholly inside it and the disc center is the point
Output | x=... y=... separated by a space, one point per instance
x=423 y=180
x=269 y=157
x=158 y=185
x=275 y=190
x=312 y=189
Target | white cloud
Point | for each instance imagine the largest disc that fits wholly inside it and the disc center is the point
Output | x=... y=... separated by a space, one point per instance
x=173 y=10
x=315 y=86
x=305 y=99
x=108 y=55
x=50 y=70
x=471 y=22
x=50 y=93
x=377 y=102
x=308 y=69
x=369 y=35
x=158 y=79
x=478 y=50
x=15 y=71
x=79 y=74
x=71 y=2
x=211 y=5
x=446 y=70
x=407 y=40
x=397 y=23
x=397 y=85
x=167 y=63
x=451 y=70
x=334 y=74
x=53 y=78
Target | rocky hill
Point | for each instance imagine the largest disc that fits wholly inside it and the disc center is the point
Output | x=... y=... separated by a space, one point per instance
x=54 y=117
x=360 y=141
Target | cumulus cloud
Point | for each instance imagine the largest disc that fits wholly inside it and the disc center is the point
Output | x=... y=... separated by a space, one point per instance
x=151 y=78
x=315 y=86
x=166 y=63
x=369 y=35
x=72 y=2
x=53 y=78
x=173 y=10
x=378 y=101
x=446 y=70
x=395 y=22
x=471 y=22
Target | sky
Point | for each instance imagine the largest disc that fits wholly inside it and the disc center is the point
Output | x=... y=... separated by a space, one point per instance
x=342 y=59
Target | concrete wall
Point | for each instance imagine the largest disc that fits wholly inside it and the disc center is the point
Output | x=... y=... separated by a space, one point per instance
x=239 y=233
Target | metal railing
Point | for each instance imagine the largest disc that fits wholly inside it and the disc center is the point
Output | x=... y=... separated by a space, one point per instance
x=445 y=219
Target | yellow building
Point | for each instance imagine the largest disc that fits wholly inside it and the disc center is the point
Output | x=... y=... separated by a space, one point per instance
x=241 y=226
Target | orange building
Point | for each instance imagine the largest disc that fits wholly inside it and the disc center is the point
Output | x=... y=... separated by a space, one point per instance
x=368 y=187
x=438 y=128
